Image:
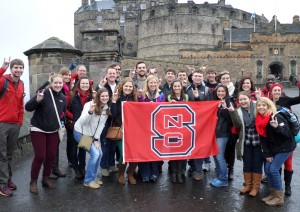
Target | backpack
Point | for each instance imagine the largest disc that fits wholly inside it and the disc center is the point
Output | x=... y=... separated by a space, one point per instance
x=291 y=118
x=3 y=90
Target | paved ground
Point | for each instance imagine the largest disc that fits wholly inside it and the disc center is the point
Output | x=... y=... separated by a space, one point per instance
x=162 y=196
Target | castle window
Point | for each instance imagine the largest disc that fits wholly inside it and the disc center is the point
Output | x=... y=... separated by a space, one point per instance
x=136 y=29
x=244 y=16
x=124 y=8
x=143 y=6
x=122 y=18
x=152 y=3
x=293 y=67
x=122 y=30
x=232 y=14
x=259 y=68
x=99 y=19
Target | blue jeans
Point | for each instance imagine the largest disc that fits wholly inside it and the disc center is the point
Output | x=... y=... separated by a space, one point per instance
x=221 y=166
x=77 y=155
x=272 y=170
x=198 y=165
x=108 y=148
x=94 y=161
x=148 y=169
x=253 y=159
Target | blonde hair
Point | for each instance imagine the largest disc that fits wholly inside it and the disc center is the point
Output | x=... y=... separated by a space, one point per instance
x=55 y=76
x=64 y=71
x=146 y=88
x=271 y=108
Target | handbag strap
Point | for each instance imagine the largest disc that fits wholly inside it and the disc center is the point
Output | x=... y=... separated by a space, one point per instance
x=58 y=119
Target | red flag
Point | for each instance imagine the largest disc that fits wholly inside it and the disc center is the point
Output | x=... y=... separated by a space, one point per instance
x=169 y=131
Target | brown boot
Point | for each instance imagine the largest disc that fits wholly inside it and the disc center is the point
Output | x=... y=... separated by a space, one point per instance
x=131 y=170
x=270 y=196
x=278 y=198
x=248 y=181
x=48 y=182
x=33 y=187
x=256 y=180
x=121 y=177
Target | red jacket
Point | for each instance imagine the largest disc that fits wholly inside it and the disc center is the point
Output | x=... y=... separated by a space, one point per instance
x=12 y=102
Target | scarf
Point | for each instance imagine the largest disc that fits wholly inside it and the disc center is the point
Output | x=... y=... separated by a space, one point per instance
x=231 y=89
x=261 y=123
x=83 y=97
x=248 y=116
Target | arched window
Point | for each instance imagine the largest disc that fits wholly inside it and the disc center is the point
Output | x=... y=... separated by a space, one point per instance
x=259 y=68
x=293 y=67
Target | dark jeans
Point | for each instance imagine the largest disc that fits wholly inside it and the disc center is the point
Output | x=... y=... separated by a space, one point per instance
x=148 y=169
x=253 y=159
x=45 y=147
x=8 y=143
x=77 y=155
x=230 y=151
x=108 y=150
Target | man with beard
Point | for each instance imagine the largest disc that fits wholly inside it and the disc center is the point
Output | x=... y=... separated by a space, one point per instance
x=140 y=78
x=11 y=120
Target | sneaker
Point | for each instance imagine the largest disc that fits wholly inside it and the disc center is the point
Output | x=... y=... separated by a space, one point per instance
x=213 y=180
x=206 y=167
x=92 y=185
x=105 y=172
x=98 y=181
x=153 y=179
x=197 y=176
x=11 y=185
x=264 y=179
x=113 y=169
x=5 y=191
x=219 y=183
x=145 y=180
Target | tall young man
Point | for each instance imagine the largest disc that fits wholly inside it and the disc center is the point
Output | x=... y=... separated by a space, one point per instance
x=11 y=120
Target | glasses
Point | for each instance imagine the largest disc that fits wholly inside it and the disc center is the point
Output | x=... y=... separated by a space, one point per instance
x=118 y=69
x=272 y=79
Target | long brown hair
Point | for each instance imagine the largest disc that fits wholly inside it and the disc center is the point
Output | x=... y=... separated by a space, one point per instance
x=134 y=91
x=99 y=104
x=182 y=94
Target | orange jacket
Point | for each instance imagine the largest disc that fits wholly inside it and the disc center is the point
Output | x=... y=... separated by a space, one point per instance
x=12 y=102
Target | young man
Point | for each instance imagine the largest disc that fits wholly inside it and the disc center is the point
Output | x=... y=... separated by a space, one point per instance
x=140 y=77
x=270 y=80
x=107 y=163
x=170 y=77
x=183 y=77
x=197 y=92
x=117 y=66
x=211 y=82
x=11 y=120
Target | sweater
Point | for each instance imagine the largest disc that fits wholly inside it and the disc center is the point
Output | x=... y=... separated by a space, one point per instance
x=91 y=125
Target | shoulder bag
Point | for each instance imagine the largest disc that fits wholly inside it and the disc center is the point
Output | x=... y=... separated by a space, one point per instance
x=114 y=133
x=86 y=141
x=61 y=130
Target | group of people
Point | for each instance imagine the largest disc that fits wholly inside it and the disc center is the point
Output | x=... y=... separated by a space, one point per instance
x=248 y=128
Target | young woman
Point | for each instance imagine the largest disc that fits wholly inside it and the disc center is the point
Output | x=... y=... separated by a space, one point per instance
x=222 y=133
x=43 y=130
x=177 y=95
x=151 y=93
x=285 y=101
x=126 y=91
x=248 y=148
x=66 y=75
x=91 y=123
x=82 y=93
x=246 y=84
x=225 y=79
x=277 y=143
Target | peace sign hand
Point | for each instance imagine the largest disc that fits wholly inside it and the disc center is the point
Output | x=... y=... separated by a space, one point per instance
x=40 y=95
x=5 y=63
x=274 y=122
x=222 y=104
x=115 y=96
x=92 y=106
x=257 y=93
x=102 y=81
x=195 y=92
x=140 y=92
x=230 y=108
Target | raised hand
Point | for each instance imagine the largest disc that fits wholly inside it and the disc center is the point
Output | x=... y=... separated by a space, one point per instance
x=40 y=95
x=274 y=122
x=92 y=106
x=230 y=108
x=222 y=104
x=6 y=63
x=102 y=81
x=115 y=96
x=132 y=73
x=140 y=92
x=195 y=92
x=191 y=68
x=257 y=93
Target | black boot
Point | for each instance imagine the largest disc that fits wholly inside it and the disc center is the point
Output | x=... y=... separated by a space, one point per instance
x=55 y=169
x=287 y=182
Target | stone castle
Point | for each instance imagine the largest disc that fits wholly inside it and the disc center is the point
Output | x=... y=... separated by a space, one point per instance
x=168 y=34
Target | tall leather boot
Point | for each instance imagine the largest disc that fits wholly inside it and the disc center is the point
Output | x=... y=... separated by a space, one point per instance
x=121 y=177
x=256 y=180
x=55 y=169
x=278 y=198
x=248 y=181
x=131 y=170
x=287 y=181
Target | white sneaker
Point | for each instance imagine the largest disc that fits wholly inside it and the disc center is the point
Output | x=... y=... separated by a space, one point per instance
x=113 y=169
x=105 y=172
x=98 y=181
x=92 y=185
x=206 y=167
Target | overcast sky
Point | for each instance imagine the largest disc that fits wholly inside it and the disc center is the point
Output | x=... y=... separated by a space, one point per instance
x=26 y=23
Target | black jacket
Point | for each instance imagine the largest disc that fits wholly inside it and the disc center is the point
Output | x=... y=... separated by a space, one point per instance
x=77 y=107
x=44 y=116
x=165 y=88
x=204 y=93
x=278 y=140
